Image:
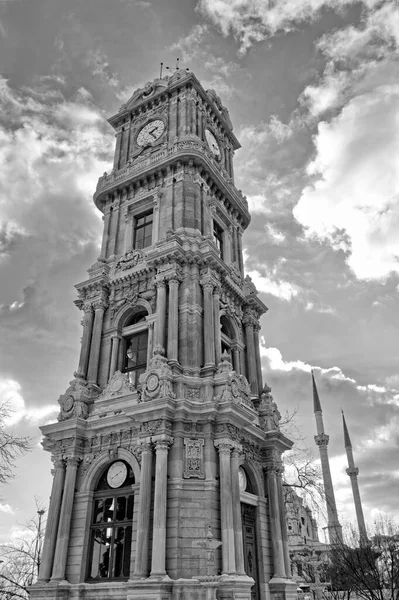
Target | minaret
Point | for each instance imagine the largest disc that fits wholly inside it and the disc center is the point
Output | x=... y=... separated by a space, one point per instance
x=334 y=528
x=353 y=472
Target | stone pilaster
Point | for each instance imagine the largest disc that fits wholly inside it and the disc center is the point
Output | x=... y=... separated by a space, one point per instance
x=106 y=219
x=53 y=516
x=64 y=527
x=257 y=358
x=249 y=323
x=161 y=313
x=99 y=308
x=224 y=447
x=158 y=564
x=216 y=321
x=209 y=330
x=173 y=320
x=86 y=339
x=128 y=239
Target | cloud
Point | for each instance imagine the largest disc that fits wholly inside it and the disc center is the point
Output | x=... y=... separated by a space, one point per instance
x=11 y=394
x=357 y=186
x=252 y=21
x=7 y=509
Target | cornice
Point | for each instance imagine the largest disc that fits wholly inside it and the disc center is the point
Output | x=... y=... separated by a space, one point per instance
x=183 y=149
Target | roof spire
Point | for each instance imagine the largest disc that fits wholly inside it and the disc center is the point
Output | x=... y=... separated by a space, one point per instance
x=316 y=399
x=347 y=439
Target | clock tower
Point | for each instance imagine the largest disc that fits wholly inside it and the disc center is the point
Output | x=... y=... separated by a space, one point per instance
x=167 y=450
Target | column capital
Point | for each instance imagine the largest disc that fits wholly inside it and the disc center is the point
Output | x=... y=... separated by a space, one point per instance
x=174 y=280
x=160 y=283
x=100 y=304
x=72 y=461
x=224 y=445
x=162 y=442
x=207 y=283
x=88 y=308
x=58 y=462
x=116 y=336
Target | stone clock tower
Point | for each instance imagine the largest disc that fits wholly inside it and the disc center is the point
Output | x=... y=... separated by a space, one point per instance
x=167 y=450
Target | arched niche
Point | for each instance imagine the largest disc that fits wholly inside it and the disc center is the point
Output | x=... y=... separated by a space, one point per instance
x=97 y=467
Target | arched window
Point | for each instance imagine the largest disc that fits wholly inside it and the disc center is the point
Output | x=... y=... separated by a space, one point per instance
x=135 y=335
x=111 y=524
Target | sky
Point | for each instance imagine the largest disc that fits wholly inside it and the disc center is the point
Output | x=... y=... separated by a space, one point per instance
x=312 y=90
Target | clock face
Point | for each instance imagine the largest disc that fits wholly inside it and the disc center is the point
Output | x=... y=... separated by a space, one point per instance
x=117 y=474
x=212 y=142
x=150 y=132
x=242 y=479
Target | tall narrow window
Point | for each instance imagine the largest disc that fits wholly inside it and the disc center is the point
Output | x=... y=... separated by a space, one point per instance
x=218 y=237
x=111 y=524
x=136 y=356
x=142 y=231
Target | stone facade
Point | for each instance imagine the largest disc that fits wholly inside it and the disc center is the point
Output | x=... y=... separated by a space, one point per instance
x=167 y=450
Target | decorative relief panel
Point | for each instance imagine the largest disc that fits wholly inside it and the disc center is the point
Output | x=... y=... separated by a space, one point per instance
x=194 y=459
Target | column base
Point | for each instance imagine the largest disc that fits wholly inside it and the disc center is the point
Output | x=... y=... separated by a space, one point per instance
x=282 y=589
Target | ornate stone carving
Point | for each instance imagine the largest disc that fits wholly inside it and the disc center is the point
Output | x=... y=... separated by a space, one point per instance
x=269 y=415
x=194 y=459
x=193 y=393
x=118 y=385
x=157 y=380
x=156 y=425
x=129 y=260
x=77 y=399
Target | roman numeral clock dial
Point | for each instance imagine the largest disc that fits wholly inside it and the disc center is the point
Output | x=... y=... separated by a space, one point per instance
x=150 y=133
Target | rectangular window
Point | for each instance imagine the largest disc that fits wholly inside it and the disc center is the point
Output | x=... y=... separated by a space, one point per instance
x=218 y=237
x=142 y=231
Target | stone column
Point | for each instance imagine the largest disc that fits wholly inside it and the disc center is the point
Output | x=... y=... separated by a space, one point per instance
x=118 y=136
x=114 y=354
x=115 y=226
x=209 y=333
x=249 y=322
x=99 y=307
x=156 y=224
x=106 y=219
x=143 y=519
x=160 y=497
x=275 y=522
x=257 y=358
x=86 y=339
x=128 y=239
x=226 y=507
x=216 y=321
x=283 y=524
x=235 y=492
x=173 y=320
x=61 y=549
x=161 y=314
x=236 y=361
x=50 y=538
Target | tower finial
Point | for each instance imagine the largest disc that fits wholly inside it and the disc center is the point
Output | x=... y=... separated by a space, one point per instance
x=316 y=399
x=347 y=439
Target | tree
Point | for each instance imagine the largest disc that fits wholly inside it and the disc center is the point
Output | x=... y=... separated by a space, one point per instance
x=371 y=568
x=20 y=559
x=11 y=446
